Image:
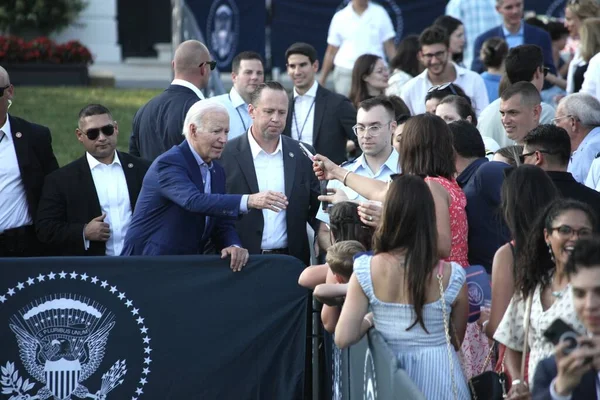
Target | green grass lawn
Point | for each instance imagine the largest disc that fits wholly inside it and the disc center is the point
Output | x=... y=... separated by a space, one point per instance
x=58 y=107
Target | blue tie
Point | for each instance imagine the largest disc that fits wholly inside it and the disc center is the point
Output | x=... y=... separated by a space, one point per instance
x=205 y=171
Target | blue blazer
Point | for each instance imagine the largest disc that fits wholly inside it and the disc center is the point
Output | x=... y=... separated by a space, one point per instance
x=158 y=125
x=546 y=371
x=171 y=210
x=531 y=35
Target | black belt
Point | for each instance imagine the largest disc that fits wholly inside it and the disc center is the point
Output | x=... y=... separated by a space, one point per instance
x=276 y=251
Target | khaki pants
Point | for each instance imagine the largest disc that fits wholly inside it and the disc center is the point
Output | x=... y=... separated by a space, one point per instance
x=342 y=80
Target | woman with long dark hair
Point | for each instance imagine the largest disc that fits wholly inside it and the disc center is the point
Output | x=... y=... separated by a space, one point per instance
x=540 y=261
x=400 y=284
x=456 y=33
x=369 y=78
x=405 y=65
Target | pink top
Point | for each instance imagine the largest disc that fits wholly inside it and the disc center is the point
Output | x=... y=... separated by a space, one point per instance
x=459 y=227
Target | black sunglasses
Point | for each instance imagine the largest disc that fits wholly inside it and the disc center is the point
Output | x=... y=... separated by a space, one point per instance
x=546 y=71
x=106 y=130
x=522 y=156
x=212 y=64
x=443 y=86
x=2 y=89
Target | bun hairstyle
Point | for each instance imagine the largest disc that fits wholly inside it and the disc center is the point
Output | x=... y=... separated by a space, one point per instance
x=494 y=52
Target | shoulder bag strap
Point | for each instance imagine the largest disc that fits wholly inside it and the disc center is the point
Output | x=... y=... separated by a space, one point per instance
x=440 y=277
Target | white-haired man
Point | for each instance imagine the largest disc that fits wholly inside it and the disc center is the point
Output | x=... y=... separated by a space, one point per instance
x=182 y=202
x=579 y=115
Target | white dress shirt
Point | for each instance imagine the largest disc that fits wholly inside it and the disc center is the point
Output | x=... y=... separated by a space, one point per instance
x=14 y=210
x=303 y=118
x=239 y=118
x=414 y=91
x=190 y=86
x=583 y=156
x=593 y=178
x=356 y=35
x=113 y=196
x=591 y=78
x=270 y=176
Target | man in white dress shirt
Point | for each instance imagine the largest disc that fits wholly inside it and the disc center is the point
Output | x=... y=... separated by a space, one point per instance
x=362 y=27
x=86 y=206
x=265 y=160
x=247 y=72
x=440 y=70
x=26 y=158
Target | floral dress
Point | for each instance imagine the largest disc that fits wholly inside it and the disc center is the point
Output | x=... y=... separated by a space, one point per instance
x=475 y=347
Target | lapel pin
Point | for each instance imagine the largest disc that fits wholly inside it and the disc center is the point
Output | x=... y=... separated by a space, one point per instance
x=130 y=165
x=18 y=135
x=291 y=154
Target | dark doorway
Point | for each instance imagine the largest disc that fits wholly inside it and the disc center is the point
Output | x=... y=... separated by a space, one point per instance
x=142 y=24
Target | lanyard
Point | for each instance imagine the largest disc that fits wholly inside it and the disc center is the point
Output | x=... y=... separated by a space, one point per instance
x=299 y=131
x=239 y=114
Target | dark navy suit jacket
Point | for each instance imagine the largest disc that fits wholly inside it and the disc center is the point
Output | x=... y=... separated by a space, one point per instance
x=531 y=35
x=546 y=371
x=158 y=125
x=169 y=218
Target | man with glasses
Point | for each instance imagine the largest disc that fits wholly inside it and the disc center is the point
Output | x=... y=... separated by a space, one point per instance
x=440 y=70
x=579 y=115
x=26 y=157
x=516 y=33
x=157 y=125
x=374 y=129
x=549 y=147
x=86 y=206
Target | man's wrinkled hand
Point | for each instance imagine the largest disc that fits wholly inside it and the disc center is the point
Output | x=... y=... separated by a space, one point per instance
x=268 y=200
x=239 y=257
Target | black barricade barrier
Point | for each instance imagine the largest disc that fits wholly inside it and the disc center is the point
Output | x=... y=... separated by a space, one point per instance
x=370 y=371
x=152 y=328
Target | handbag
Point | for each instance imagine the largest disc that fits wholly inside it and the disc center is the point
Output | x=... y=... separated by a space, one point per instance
x=489 y=384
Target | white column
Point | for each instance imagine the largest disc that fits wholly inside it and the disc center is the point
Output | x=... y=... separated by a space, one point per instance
x=97 y=29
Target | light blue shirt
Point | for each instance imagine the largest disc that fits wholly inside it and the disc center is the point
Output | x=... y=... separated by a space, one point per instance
x=360 y=167
x=584 y=155
x=207 y=170
x=239 y=118
x=492 y=84
x=514 y=39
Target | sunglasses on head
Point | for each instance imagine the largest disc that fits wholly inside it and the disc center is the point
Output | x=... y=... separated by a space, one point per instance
x=211 y=64
x=2 y=89
x=444 y=86
x=106 y=130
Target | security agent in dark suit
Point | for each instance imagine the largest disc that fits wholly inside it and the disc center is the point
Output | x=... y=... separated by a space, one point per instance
x=549 y=147
x=158 y=124
x=26 y=157
x=263 y=159
x=86 y=206
x=574 y=376
x=316 y=115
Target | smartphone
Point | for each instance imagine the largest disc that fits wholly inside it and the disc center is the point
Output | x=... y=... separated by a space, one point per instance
x=559 y=331
x=324 y=204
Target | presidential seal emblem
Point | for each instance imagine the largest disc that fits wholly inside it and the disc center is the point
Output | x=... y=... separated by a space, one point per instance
x=370 y=378
x=223 y=26
x=62 y=340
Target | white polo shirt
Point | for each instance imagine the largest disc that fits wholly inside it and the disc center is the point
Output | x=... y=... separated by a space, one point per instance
x=356 y=35
x=414 y=91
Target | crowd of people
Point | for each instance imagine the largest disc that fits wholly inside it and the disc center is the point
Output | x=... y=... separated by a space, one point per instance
x=459 y=147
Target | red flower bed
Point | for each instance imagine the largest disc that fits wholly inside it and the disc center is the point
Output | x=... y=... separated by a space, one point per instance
x=15 y=50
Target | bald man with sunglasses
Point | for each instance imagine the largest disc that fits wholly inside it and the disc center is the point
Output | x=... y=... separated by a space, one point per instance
x=87 y=205
x=158 y=124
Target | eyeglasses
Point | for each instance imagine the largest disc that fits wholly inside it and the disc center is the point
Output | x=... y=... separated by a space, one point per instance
x=443 y=86
x=566 y=231
x=573 y=2
x=212 y=64
x=557 y=118
x=439 y=55
x=2 y=89
x=106 y=130
x=522 y=156
x=373 y=130
x=546 y=71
